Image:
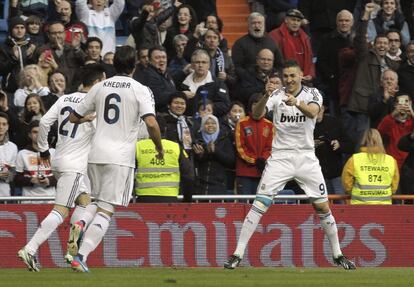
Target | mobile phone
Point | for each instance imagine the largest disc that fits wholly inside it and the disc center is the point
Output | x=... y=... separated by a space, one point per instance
x=402 y=101
x=48 y=54
x=156 y=5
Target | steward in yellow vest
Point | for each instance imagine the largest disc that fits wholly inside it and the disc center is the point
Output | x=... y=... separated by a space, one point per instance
x=159 y=180
x=370 y=178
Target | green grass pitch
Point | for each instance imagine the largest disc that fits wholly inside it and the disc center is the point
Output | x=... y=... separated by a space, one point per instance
x=148 y=277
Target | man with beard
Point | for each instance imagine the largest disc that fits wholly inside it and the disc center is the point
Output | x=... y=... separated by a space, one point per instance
x=245 y=49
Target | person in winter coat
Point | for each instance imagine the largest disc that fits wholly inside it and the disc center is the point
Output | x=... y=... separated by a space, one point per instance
x=16 y=52
x=213 y=153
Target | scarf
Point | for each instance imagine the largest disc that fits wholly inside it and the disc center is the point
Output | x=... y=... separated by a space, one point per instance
x=220 y=63
x=289 y=50
x=19 y=44
x=182 y=130
x=206 y=136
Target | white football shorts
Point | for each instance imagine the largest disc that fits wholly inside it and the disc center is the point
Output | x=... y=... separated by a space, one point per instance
x=303 y=167
x=111 y=183
x=69 y=186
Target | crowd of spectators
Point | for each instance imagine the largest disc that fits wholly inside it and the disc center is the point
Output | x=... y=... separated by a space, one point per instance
x=358 y=53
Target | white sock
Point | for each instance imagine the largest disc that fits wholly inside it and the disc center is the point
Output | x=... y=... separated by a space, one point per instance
x=329 y=226
x=77 y=214
x=249 y=226
x=89 y=213
x=94 y=234
x=48 y=225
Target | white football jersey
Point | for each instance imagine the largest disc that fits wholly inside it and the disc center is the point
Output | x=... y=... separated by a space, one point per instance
x=119 y=102
x=74 y=140
x=294 y=130
x=8 y=154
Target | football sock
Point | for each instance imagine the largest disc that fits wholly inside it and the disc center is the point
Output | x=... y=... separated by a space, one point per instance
x=48 y=225
x=94 y=234
x=329 y=226
x=88 y=214
x=249 y=226
x=77 y=214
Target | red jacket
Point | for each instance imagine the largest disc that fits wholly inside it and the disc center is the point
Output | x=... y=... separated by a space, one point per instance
x=253 y=140
x=287 y=45
x=391 y=131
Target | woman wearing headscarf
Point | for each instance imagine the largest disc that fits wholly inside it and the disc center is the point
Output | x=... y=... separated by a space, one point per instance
x=214 y=152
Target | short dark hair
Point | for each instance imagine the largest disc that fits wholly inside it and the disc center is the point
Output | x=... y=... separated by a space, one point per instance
x=238 y=103
x=125 y=59
x=176 y=95
x=91 y=73
x=94 y=39
x=380 y=36
x=33 y=124
x=393 y=30
x=6 y=116
x=254 y=98
x=219 y=21
x=156 y=48
x=57 y=71
x=291 y=64
x=53 y=23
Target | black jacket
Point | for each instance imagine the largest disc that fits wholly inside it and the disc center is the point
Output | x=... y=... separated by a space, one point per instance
x=378 y=109
x=10 y=67
x=245 y=50
x=212 y=166
x=407 y=169
x=331 y=162
x=252 y=82
x=161 y=85
x=405 y=79
x=217 y=93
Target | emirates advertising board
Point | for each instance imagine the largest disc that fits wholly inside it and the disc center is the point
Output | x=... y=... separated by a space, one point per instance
x=203 y=235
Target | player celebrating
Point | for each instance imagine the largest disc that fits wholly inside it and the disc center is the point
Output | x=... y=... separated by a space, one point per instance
x=69 y=165
x=118 y=102
x=295 y=108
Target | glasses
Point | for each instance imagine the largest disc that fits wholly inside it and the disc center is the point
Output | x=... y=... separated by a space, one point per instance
x=266 y=59
x=200 y=62
x=56 y=33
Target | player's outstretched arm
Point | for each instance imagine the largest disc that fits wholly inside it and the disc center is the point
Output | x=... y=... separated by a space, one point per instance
x=260 y=108
x=154 y=134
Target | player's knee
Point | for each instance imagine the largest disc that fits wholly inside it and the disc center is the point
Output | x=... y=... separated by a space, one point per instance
x=106 y=208
x=321 y=207
x=83 y=199
x=62 y=210
x=262 y=202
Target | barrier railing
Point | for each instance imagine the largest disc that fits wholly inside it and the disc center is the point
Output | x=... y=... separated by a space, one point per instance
x=280 y=199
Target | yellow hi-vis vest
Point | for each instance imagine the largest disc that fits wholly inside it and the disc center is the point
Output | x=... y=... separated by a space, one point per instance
x=157 y=177
x=373 y=178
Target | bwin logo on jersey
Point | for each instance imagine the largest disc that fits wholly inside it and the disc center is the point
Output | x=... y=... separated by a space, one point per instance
x=292 y=118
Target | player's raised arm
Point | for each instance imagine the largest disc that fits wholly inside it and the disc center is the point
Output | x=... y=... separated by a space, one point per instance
x=260 y=108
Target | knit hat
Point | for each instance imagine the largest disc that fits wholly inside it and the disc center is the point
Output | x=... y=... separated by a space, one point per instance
x=16 y=21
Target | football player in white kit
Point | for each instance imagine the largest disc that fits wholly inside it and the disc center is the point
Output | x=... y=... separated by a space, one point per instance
x=69 y=166
x=119 y=102
x=295 y=108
